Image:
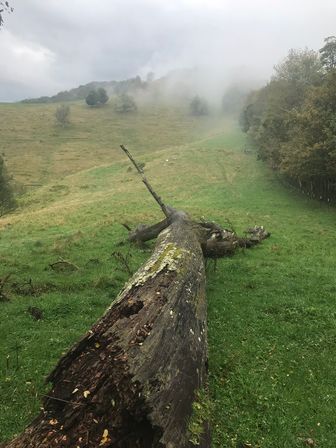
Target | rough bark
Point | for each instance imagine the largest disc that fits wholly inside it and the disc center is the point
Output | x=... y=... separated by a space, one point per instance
x=131 y=381
x=222 y=243
x=143 y=233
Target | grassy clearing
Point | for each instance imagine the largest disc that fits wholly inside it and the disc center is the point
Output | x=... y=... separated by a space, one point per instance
x=272 y=326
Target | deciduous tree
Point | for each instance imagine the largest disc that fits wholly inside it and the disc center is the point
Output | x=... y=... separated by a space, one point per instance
x=102 y=96
x=199 y=106
x=92 y=98
x=328 y=53
x=125 y=103
x=62 y=115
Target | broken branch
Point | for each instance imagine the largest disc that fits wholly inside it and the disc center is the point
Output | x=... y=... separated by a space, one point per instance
x=157 y=198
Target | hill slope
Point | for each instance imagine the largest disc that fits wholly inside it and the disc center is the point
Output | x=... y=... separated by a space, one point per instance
x=271 y=310
x=81 y=92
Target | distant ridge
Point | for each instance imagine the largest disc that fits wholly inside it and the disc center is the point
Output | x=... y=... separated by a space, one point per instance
x=81 y=92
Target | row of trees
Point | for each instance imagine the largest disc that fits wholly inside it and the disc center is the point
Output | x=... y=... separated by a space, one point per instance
x=130 y=86
x=232 y=102
x=292 y=120
x=123 y=102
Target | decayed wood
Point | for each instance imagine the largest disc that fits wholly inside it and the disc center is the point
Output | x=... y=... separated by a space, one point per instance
x=131 y=381
x=143 y=233
x=222 y=243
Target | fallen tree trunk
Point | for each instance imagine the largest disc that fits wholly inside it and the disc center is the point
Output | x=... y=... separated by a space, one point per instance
x=131 y=381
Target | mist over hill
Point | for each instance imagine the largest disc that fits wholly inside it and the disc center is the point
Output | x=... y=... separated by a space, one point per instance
x=80 y=92
x=221 y=90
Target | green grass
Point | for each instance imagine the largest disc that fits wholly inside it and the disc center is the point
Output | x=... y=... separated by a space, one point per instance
x=271 y=313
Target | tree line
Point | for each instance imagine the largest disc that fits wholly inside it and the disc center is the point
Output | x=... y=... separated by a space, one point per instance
x=292 y=120
x=131 y=85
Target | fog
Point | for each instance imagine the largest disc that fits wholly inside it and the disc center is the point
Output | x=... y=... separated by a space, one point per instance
x=48 y=46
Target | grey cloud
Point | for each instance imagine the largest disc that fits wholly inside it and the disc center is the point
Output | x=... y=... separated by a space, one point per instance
x=59 y=44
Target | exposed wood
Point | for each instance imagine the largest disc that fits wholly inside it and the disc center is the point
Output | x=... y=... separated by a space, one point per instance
x=143 y=233
x=130 y=382
x=222 y=243
x=134 y=376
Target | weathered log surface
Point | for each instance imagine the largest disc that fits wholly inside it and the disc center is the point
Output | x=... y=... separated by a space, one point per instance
x=143 y=233
x=131 y=381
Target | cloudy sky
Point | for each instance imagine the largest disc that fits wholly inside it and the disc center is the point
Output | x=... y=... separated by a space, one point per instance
x=52 y=45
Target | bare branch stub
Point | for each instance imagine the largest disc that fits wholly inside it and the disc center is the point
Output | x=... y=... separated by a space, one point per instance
x=63 y=265
x=157 y=198
x=216 y=241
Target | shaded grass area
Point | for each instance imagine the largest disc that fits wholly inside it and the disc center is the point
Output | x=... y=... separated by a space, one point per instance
x=272 y=327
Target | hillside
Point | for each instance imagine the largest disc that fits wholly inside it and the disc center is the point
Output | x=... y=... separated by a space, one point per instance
x=81 y=92
x=271 y=310
x=187 y=79
x=37 y=150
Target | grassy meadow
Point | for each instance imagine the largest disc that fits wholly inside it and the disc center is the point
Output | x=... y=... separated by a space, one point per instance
x=271 y=310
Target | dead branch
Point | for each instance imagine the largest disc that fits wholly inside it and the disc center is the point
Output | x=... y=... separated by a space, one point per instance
x=224 y=243
x=127 y=227
x=143 y=233
x=157 y=198
x=123 y=260
x=64 y=265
